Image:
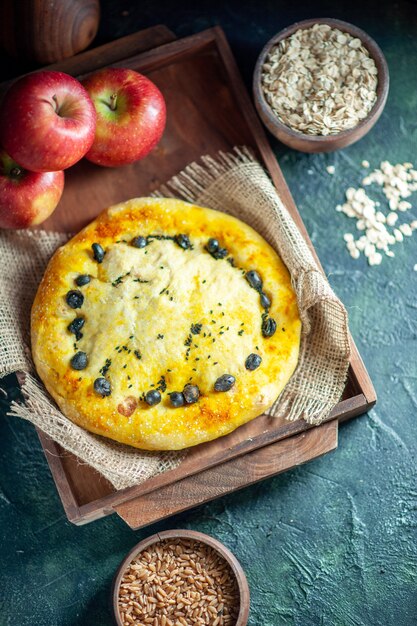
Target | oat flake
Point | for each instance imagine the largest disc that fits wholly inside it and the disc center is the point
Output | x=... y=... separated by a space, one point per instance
x=378 y=230
x=320 y=81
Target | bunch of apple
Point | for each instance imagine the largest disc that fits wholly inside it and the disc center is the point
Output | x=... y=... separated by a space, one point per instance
x=49 y=121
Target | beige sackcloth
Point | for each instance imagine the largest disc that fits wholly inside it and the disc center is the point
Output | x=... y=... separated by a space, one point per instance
x=234 y=183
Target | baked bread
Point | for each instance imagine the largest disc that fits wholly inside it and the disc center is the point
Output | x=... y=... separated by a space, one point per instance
x=163 y=325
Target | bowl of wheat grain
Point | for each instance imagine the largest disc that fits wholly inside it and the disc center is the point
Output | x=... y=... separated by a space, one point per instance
x=180 y=578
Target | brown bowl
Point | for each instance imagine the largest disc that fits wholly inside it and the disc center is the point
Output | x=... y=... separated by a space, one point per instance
x=321 y=143
x=242 y=583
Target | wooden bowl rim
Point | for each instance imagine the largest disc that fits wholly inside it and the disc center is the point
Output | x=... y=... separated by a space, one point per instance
x=375 y=53
x=244 y=594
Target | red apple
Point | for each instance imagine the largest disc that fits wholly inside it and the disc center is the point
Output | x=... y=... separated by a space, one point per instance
x=131 y=116
x=47 y=121
x=26 y=198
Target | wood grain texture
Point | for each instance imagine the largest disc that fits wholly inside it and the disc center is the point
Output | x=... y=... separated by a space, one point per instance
x=320 y=143
x=45 y=31
x=231 y=476
x=196 y=125
x=115 y=51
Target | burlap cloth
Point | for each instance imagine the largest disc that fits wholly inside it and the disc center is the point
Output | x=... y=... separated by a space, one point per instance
x=234 y=183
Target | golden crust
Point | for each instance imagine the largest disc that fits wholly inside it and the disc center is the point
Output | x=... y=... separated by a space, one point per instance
x=142 y=303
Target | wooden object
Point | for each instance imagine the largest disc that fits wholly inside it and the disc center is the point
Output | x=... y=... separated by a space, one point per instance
x=244 y=595
x=46 y=31
x=320 y=143
x=186 y=71
x=233 y=475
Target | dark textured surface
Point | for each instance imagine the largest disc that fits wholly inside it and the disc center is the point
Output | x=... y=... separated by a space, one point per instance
x=333 y=543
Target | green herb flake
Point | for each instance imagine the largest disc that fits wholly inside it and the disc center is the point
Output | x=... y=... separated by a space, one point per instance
x=103 y=371
x=161 y=384
x=118 y=280
x=141 y=280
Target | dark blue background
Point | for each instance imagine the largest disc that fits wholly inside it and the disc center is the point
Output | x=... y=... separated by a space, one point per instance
x=332 y=543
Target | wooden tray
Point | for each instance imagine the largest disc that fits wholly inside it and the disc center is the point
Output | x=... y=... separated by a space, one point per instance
x=208 y=109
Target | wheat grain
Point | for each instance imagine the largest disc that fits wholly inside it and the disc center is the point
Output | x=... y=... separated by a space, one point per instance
x=178 y=582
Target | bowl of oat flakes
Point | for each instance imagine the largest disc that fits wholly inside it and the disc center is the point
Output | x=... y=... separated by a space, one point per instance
x=180 y=578
x=320 y=85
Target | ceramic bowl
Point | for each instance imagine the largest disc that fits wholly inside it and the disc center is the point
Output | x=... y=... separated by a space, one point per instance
x=224 y=552
x=321 y=143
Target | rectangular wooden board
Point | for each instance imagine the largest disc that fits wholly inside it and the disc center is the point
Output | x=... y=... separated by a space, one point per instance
x=208 y=110
x=234 y=475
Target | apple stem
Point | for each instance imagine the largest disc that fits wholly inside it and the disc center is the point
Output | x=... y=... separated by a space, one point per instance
x=15 y=172
x=113 y=99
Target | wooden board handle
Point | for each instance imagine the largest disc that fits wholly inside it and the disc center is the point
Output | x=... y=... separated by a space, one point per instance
x=230 y=476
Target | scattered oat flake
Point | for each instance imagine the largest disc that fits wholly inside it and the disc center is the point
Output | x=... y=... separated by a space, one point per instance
x=330 y=169
x=365 y=163
x=415 y=267
x=379 y=229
